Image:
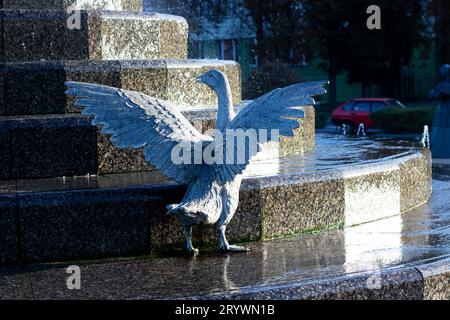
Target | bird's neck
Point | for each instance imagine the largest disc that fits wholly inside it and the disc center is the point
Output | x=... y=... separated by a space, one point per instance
x=225 y=108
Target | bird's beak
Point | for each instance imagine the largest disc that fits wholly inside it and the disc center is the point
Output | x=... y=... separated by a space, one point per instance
x=200 y=79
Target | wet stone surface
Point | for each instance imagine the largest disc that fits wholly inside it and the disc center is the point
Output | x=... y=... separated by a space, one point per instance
x=333 y=265
x=8 y=230
x=37 y=147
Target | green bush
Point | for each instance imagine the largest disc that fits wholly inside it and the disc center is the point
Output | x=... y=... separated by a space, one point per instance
x=322 y=119
x=403 y=120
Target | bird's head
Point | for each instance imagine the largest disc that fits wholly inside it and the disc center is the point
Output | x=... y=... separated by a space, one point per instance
x=213 y=79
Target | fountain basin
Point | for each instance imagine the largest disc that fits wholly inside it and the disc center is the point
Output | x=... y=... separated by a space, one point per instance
x=87 y=217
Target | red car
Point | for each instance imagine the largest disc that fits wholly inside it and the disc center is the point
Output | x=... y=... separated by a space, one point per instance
x=353 y=112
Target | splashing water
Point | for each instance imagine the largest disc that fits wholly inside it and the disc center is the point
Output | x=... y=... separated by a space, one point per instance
x=361 y=130
x=426 y=137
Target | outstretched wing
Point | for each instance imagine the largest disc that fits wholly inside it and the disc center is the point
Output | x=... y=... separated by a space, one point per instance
x=278 y=110
x=135 y=120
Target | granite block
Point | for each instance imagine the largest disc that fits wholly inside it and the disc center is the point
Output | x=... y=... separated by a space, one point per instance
x=139 y=37
x=7 y=187
x=305 y=136
x=31 y=35
x=118 y=5
x=114 y=160
x=296 y=204
x=42 y=35
x=101 y=72
x=34 y=88
x=415 y=181
x=3 y=107
x=149 y=77
x=436 y=280
x=15 y=284
x=83 y=224
x=9 y=251
x=371 y=194
x=5 y=150
x=165 y=230
x=182 y=87
x=52 y=146
x=38 y=87
x=173 y=40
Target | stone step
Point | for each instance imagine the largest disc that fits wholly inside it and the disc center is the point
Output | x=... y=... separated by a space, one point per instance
x=30 y=35
x=67 y=145
x=118 y=5
x=31 y=88
x=124 y=214
x=54 y=145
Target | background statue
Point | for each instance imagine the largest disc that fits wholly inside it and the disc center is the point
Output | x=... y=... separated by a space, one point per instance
x=440 y=136
x=135 y=120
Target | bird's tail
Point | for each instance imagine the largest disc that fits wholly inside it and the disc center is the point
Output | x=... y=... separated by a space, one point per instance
x=185 y=213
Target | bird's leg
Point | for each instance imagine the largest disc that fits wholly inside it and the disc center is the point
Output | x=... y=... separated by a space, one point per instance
x=187 y=230
x=225 y=246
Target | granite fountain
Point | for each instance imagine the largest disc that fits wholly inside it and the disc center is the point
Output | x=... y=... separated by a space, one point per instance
x=322 y=213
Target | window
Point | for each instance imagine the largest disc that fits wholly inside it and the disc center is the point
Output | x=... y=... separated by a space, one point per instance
x=362 y=107
x=349 y=106
x=227 y=49
x=378 y=106
x=196 y=50
x=396 y=104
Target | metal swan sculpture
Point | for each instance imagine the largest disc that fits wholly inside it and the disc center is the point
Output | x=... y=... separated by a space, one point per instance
x=136 y=120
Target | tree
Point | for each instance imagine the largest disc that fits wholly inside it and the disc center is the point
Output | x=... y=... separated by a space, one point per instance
x=279 y=29
x=336 y=32
x=326 y=30
x=439 y=12
x=339 y=34
x=378 y=56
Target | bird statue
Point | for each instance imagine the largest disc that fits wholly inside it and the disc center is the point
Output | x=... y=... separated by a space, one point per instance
x=136 y=120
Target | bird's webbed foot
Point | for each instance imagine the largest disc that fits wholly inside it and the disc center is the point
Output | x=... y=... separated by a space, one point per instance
x=188 y=241
x=223 y=243
x=190 y=250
